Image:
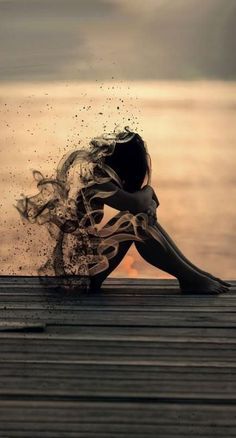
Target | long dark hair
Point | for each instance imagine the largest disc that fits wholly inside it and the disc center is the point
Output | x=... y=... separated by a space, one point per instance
x=132 y=162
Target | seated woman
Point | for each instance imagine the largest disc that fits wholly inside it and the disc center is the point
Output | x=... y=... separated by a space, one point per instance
x=111 y=170
x=131 y=163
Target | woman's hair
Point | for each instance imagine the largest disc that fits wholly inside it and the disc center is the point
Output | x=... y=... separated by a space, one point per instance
x=132 y=162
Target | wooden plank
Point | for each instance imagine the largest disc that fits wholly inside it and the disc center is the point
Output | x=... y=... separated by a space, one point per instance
x=126 y=300
x=117 y=352
x=110 y=280
x=106 y=293
x=179 y=366
x=124 y=318
x=106 y=286
x=52 y=368
x=66 y=307
x=73 y=380
x=29 y=430
x=33 y=279
x=112 y=290
x=125 y=332
x=158 y=386
x=36 y=332
x=40 y=282
x=113 y=300
x=32 y=332
x=111 y=411
x=145 y=346
x=151 y=371
x=214 y=335
x=204 y=363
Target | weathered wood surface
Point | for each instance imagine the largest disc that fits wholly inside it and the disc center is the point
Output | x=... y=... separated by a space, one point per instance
x=135 y=359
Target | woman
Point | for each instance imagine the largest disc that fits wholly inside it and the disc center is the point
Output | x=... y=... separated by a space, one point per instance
x=111 y=170
x=131 y=161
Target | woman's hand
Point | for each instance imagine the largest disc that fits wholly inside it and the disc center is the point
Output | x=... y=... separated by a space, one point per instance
x=154 y=203
x=151 y=212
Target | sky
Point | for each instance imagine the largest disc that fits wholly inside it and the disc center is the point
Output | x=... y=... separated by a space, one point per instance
x=76 y=40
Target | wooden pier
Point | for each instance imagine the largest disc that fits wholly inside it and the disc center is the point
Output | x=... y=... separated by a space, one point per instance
x=137 y=359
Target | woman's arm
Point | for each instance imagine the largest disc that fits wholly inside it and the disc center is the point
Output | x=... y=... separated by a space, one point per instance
x=136 y=202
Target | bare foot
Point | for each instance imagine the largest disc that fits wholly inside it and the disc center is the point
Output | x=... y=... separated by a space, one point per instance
x=203 y=284
x=224 y=283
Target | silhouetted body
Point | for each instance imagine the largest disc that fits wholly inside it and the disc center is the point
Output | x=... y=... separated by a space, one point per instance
x=114 y=169
x=131 y=162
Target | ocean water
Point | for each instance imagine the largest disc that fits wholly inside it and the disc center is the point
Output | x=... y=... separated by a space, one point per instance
x=190 y=130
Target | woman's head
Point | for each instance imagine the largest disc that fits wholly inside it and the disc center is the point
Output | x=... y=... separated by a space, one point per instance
x=131 y=161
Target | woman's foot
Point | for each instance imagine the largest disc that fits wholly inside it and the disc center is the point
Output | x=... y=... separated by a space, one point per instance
x=224 y=283
x=203 y=284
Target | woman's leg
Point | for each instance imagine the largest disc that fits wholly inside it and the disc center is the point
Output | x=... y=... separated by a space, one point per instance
x=157 y=224
x=167 y=257
x=163 y=255
x=97 y=279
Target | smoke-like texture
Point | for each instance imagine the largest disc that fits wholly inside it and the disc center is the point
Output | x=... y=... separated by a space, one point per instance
x=70 y=208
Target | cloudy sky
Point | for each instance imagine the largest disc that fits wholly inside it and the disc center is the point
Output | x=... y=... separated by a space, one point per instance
x=51 y=40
